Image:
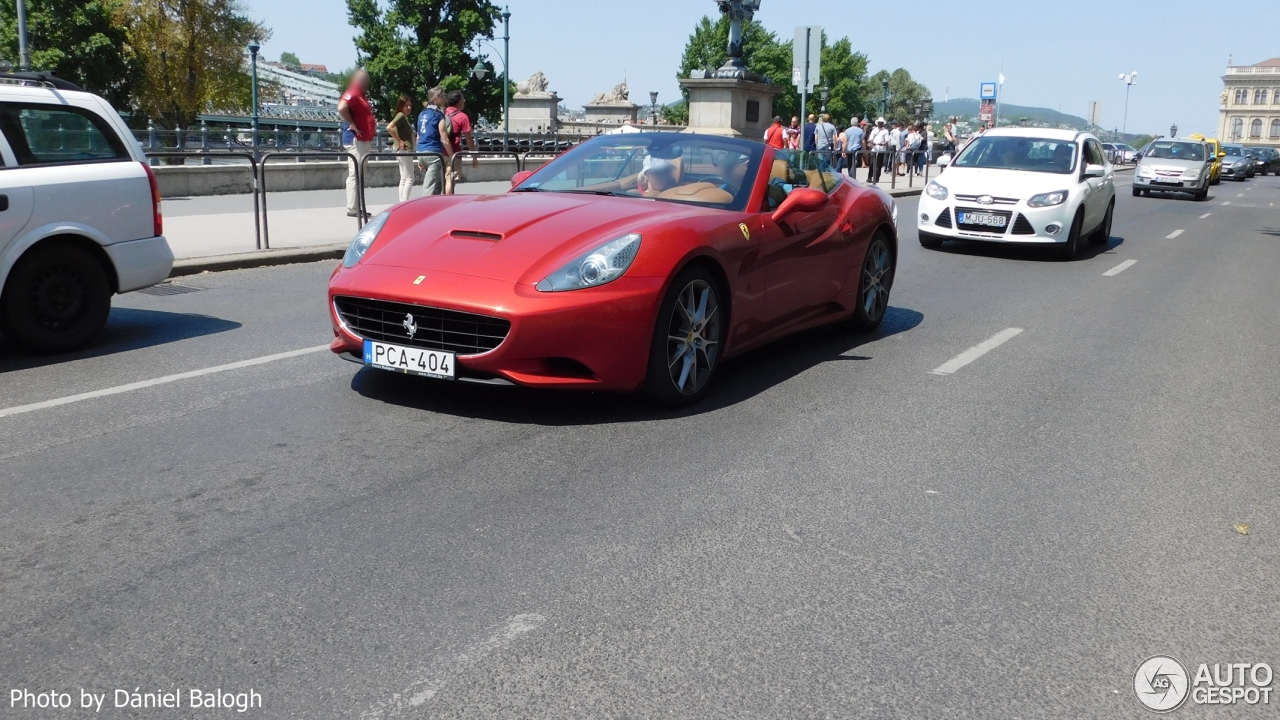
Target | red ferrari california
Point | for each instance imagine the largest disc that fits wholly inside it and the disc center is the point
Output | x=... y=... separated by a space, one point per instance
x=634 y=262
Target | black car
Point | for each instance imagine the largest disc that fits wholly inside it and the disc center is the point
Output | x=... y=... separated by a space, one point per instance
x=1265 y=160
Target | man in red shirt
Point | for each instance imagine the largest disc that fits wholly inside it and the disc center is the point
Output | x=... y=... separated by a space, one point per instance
x=773 y=137
x=358 y=128
x=459 y=132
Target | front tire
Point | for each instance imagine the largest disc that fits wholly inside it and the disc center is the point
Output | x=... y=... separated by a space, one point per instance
x=1068 y=250
x=57 y=299
x=875 y=281
x=685 y=351
x=1137 y=192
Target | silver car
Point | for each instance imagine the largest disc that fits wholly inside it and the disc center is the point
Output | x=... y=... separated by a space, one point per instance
x=1238 y=164
x=1174 y=165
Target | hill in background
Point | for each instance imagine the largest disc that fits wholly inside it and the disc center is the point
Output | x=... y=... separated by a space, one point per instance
x=962 y=107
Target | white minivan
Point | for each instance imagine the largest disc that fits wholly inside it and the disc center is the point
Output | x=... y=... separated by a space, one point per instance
x=79 y=213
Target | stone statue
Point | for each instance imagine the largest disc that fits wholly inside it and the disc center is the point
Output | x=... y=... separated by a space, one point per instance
x=619 y=94
x=536 y=85
x=1223 y=100
x=739 y=12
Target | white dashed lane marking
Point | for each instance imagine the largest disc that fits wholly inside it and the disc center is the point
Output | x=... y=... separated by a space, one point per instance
x=1120 y=268
x=1205 y=215
x=19 y=409
x=976 y=351
x=1227 y=202
x=1173 y=234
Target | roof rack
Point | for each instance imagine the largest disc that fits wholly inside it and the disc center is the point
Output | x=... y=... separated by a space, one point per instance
x=39 y=78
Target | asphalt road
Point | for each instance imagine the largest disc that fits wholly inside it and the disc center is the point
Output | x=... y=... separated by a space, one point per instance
x=837 y=532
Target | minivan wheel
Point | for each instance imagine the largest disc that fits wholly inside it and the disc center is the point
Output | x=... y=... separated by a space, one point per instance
x=57 y=299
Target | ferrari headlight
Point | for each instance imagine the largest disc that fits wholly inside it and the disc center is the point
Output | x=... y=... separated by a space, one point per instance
x=1146 y=171
x=935 y=191
x=364 y=239
x=604 y=264
x=1049 y=199
x=1192 y=174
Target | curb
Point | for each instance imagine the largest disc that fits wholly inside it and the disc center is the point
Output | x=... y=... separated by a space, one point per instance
x=260 y=258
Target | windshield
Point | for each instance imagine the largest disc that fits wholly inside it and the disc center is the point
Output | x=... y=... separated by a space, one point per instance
x=1233 y=150
x=696 y=169
x=1176 y=151
x=1019 y=153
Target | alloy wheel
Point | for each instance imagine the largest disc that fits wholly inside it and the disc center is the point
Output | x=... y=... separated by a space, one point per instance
x=877 y=278
x=693 y=337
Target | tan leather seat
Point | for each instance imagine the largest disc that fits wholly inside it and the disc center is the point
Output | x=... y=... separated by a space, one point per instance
x=698 y=192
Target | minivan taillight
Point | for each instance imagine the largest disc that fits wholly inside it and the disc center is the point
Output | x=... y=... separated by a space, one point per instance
x=155 y=200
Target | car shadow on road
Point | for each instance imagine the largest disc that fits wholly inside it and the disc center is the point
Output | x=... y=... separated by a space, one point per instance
x=126 y=329
x=737 y=380
x=1008 y=251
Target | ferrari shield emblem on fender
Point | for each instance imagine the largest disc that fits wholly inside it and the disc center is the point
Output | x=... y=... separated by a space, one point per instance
x=746 y=231
x=419 y=279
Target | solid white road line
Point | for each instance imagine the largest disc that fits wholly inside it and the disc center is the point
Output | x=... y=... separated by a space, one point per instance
x=976 y=351
x=1205 y=215
x=1120 y=268
x=1173 y=234
x=18 y=410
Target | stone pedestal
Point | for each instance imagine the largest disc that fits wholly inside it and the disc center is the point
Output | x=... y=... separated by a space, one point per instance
x=614 y=113
x=732 y=108
x=535 y=113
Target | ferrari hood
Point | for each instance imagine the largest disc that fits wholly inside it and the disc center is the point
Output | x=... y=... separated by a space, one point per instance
x=503 y=237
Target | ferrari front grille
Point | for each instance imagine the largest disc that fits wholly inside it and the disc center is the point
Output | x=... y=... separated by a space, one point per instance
x=421 y=326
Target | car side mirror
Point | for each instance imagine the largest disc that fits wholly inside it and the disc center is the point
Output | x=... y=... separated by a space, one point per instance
x=521 y=177
x=800 y=200
x=944 y=161
x=1137 y=156
x=1222 y=155
x=1094 y=171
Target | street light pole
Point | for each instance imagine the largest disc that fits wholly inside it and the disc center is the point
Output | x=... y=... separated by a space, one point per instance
x=506 y=75
x=1129 y=81
x=884 y=98
x=24 y=50
x=653 y=107
x=254 y=47
x=1173 y=130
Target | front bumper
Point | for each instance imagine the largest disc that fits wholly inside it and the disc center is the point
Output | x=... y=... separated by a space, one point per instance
x=140 y=263
x=593 y=339
x=1169 y=184
x=937 y=218
x=1234 y=172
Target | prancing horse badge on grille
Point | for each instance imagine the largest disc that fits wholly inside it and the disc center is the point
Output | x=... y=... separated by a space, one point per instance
x=410 y=326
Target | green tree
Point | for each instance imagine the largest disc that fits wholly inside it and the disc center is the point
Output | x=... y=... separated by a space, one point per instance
x=843 y=70
x=904 y=94
x=192 y=54
x=288 y=58
x=408 y=46
x=84 y=42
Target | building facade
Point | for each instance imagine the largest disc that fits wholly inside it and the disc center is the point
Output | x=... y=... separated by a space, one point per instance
x=1249 y=109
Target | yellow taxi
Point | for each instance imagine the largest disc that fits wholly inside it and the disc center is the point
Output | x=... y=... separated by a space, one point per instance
x=1215 y=148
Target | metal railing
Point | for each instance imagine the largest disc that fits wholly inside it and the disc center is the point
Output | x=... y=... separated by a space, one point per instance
x=914 y=164
x=262 y=185
x=364 y=165
x=253 y=169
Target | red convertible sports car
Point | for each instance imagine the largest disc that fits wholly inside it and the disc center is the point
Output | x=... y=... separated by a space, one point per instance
x=633 y=262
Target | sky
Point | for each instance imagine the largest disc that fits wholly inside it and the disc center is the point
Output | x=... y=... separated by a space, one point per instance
x=1056 y=55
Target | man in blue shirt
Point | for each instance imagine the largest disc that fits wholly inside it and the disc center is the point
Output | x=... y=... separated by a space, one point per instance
x=433 y=136
x=809 y=143
x=853 y=145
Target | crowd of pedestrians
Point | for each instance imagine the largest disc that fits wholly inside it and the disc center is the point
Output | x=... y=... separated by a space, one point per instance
x=879 y=147
x=441 y=127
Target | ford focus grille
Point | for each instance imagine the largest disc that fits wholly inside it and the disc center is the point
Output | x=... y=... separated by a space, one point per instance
x=433 y=328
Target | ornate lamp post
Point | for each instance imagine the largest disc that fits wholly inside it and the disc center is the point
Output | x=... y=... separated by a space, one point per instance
x=254 y=47
x=884 y=98
x=739 y=12
x=480 y=70
x=826 y=96
x=1173 y=130
x=24 y=50
x=653 y=107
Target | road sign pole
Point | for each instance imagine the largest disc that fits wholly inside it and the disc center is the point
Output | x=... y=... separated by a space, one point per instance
x=804 y=87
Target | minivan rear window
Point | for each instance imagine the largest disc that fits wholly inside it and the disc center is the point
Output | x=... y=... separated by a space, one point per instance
x=58 y=134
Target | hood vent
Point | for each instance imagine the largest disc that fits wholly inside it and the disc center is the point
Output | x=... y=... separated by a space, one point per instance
x=476 y=235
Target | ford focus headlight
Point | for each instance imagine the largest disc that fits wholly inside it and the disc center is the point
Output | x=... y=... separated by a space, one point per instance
x=935 y=191
x=1049 y=199
x=604 y=264
x=364 y=239
x=1146 y=171
x=1192 y=174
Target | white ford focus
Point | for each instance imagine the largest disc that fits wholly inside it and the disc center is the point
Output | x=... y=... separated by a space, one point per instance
x=1022 y=185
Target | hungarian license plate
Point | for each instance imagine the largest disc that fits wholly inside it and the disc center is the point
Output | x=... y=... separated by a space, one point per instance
x=987 y=219
x=1168 y=181
x=413 y=361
